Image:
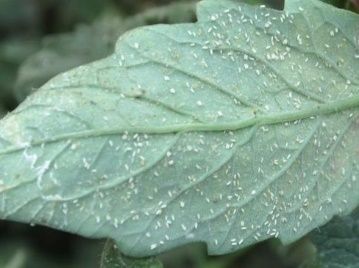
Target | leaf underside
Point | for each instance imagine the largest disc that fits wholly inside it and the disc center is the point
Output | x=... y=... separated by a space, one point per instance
x=237 y=128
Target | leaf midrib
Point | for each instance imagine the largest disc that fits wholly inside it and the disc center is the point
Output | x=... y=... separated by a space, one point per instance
x=260 y=120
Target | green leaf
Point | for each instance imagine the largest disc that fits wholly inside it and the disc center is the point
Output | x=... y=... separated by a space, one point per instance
x=88 y=43
x=19 y=252
x=112 y=258
x=237 y=128
x=15 y=14
x=338 y=242
x=12 y=53
x=2 y=112
x=17 y=260
x=62 y=52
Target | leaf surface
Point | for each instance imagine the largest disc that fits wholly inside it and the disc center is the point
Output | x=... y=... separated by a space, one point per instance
x=237 y=128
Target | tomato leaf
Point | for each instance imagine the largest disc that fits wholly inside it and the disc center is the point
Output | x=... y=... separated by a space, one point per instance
x=235 y=129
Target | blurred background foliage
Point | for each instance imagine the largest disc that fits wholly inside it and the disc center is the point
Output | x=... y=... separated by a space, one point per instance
x=42 y=38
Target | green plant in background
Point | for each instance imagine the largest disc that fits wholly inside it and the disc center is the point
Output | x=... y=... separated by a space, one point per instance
x=231 y=130
x=338 y=242
x=89 y=43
